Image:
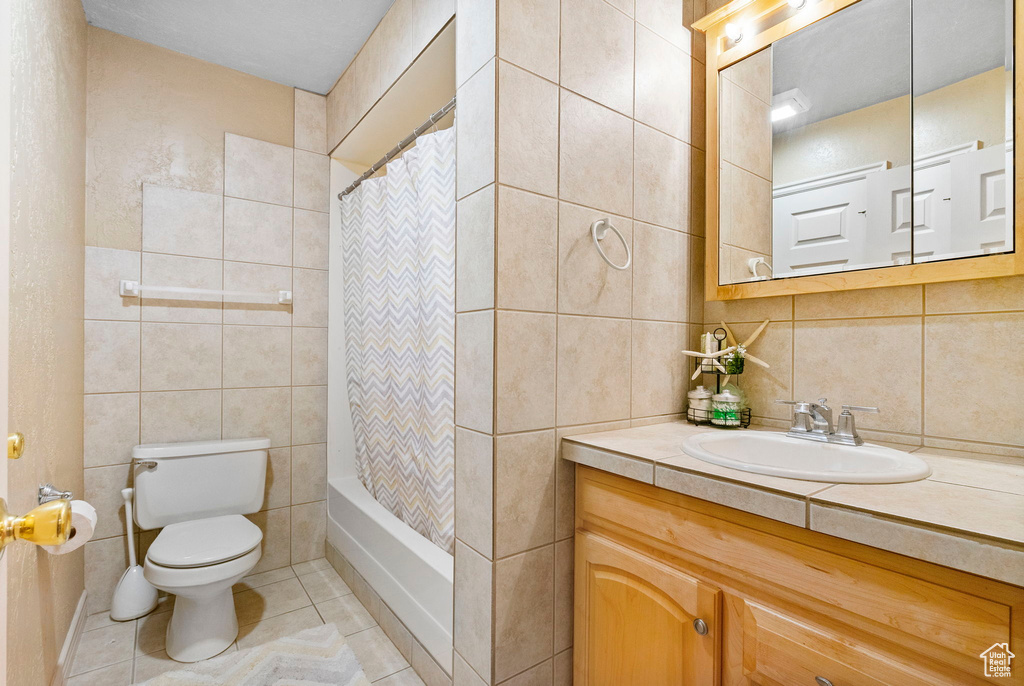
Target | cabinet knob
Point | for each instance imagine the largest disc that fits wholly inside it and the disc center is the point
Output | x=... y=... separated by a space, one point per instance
x=822 y=681
x=701 y=627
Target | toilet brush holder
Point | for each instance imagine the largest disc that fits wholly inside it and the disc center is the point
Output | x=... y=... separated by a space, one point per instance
x=134 y=597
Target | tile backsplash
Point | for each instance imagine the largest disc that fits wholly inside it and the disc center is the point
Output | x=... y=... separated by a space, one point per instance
x=166 y=370
x=937 y=360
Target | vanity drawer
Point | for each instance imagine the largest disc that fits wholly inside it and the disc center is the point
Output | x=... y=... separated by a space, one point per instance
x=926 y=609
x=781 y=650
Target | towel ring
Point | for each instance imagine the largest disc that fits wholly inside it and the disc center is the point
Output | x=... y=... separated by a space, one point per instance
x=598 y=230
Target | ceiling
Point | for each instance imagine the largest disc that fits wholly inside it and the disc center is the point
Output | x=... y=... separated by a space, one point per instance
x=301 y=43
x=861 y=55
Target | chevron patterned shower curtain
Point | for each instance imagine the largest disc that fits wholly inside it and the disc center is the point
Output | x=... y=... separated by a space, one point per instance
x=398 y=237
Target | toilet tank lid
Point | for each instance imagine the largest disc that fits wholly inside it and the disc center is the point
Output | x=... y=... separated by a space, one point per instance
x=152 y=451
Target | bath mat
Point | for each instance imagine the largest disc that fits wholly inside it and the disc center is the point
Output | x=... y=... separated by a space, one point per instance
x=313 y=657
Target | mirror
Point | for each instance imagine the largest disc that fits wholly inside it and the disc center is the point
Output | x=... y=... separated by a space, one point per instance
x=878 y=136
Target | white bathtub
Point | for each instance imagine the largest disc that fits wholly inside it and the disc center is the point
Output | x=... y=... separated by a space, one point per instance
x=412 y=575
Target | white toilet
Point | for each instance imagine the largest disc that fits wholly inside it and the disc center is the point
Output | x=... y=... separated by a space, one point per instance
x=198 y=492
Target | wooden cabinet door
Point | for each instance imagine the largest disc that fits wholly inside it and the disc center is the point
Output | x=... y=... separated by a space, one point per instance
x=635 y=620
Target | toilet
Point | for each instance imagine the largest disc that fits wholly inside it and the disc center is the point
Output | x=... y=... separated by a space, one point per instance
x=198 y=492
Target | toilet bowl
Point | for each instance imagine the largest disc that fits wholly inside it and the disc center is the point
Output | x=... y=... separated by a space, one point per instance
x=199 y=561
x=197 y=493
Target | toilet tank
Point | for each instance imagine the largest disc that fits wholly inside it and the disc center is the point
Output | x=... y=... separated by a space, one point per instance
x=178 y=482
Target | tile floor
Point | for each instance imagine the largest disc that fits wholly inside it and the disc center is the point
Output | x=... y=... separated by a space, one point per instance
x=270 y=605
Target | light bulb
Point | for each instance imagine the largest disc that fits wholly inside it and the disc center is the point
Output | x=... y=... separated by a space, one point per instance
x=734 y=32
x=797 y=4
x=783 y=112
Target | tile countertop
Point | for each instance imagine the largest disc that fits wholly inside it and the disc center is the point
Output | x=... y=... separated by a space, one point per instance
x=968 y=515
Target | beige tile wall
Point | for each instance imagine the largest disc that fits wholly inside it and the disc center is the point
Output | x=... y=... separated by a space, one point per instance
x=555 y=133
x=405 y=30
x=911 y=351
x=178 y=370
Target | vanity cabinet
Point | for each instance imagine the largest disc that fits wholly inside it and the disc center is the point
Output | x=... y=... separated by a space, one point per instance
x=782 y=605
x=641 y=621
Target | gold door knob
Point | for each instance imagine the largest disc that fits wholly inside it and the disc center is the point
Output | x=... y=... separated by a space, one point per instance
x=48 y=524
x=15 y=445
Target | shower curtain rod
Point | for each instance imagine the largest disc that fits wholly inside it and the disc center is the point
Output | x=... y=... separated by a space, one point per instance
x=406 y=142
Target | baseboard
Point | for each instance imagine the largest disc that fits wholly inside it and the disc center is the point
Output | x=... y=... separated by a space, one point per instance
x=67 y=652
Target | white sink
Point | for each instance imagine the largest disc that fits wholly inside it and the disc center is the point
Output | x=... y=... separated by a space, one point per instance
x=776 y=454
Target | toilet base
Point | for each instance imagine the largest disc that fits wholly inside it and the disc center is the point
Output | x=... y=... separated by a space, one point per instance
x=201 y=627
x=203 y=622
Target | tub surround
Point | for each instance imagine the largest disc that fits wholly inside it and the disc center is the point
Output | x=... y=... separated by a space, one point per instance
x=960 y=516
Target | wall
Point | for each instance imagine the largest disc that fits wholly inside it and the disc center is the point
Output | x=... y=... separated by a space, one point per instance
x=209 y=193
x=569 y=111
x=160 y=116
x=402 y=34
x=901 y=349
x=48 y=46
x=972 y=109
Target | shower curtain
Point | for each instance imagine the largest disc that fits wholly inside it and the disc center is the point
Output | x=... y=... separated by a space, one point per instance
x=398 y=243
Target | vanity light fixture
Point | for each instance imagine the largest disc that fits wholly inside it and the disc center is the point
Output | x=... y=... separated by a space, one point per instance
x=783 y=112
x=789 y=104
x=734 y=32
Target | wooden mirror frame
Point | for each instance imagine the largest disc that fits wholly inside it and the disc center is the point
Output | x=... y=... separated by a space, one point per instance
x=773 y=20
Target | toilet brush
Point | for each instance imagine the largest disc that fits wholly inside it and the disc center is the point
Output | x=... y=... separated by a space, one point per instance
x=133 y=596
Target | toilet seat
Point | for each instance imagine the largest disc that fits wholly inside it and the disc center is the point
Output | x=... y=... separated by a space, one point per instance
x=204 y=542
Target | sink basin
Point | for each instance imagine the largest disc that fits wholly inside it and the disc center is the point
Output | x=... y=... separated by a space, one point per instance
x=775 y=454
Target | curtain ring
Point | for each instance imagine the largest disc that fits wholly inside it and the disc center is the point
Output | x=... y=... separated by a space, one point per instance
x=598 y=230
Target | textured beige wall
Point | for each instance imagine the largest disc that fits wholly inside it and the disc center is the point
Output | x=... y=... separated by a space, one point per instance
x=158 y=116
x=969 y=110
x=403 y=32
x=46 y=331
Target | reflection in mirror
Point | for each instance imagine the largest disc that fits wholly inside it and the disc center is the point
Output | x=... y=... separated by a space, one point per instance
x=816 y=149
x=842 y=142
x=857 y=142
x=745 y=173
x=963 y=128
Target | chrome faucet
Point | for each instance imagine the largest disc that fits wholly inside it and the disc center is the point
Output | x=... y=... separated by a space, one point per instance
x=813 y=422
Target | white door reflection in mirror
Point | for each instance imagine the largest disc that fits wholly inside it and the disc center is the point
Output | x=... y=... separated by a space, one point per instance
x=963 y=127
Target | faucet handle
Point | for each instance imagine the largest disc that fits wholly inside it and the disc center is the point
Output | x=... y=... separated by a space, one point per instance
x=823 y=402
x=846 y=432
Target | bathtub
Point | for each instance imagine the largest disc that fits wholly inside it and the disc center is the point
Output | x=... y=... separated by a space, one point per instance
x=412 y=575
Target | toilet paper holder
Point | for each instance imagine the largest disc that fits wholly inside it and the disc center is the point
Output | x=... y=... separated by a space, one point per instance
x=48 y=492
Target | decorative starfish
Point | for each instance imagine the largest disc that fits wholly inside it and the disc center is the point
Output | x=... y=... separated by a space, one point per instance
x=734 y=347
x=709 y=356
x=742 y=347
